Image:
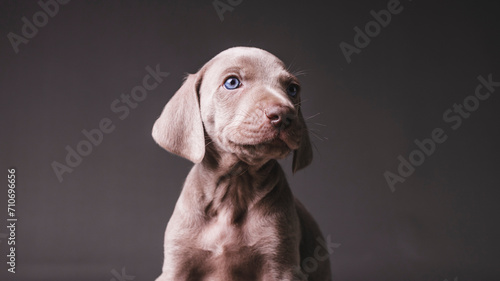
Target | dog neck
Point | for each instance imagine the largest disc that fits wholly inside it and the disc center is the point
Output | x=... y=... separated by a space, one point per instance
x=229 y=184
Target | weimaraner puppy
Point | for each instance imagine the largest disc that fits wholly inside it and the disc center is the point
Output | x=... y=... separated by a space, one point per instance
x=236 y=218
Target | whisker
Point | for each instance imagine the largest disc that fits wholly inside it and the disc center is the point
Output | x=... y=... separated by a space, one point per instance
x=299 y=72
x=210 y=142
x=299 y=103
x=315 y=135
x=291 y=65
x=312 y=116
x=315 y=147
x=319 y=124
x=315 y=123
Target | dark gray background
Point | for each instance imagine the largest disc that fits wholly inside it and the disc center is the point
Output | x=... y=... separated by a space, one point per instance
x=111 y=211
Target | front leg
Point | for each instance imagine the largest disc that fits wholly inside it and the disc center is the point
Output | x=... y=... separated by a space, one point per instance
x=281 y=251
x=185 y=263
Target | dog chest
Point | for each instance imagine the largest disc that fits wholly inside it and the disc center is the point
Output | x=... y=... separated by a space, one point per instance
x=220 y=234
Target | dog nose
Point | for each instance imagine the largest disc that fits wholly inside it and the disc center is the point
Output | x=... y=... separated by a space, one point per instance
x=280 y=116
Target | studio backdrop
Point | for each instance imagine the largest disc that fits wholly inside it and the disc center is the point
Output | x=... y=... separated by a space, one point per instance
x=401 y=99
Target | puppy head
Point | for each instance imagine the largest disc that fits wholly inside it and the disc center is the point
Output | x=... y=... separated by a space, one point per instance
x=247 y=103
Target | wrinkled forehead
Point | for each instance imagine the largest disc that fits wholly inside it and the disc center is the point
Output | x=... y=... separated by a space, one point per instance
x=250 y=63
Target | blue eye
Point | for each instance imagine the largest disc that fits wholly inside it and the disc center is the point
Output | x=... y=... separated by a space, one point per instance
x=292 y=90
x=232 y=83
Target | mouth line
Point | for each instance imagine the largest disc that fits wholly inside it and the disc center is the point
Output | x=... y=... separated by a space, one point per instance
x=275 y=141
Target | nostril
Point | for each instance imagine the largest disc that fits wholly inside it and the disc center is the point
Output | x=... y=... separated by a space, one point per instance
x=275 y=119
x=279 y=116
x=273 y=116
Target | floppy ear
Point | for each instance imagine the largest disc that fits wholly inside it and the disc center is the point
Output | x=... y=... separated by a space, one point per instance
x=302 y=156
x=179 y=128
